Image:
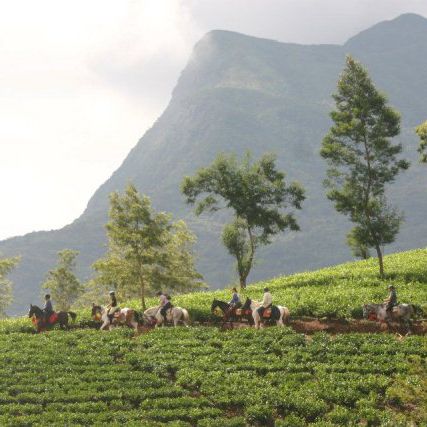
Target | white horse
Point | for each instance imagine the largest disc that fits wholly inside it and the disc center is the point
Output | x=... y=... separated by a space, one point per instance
x=254 y=305
x=401 y=313
x=173 y=315
x=126 y=316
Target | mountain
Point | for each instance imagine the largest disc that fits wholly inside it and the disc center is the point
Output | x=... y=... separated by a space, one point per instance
x=236 y=93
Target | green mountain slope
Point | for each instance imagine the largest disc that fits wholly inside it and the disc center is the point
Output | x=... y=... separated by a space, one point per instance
x=236 y=93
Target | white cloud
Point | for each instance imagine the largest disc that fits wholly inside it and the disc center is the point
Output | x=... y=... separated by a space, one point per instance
x=80 y=82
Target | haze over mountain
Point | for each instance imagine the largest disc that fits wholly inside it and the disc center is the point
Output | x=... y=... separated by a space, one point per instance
x=238 y=93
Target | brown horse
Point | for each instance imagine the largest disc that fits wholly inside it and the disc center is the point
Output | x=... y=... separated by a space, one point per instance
x=232 y=314
x=37 y=314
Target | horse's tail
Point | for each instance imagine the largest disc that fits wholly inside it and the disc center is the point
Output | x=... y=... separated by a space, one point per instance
x=185 y=315
x=417 y=310
x=286 y=315
x=136 y=316
x=72 y=315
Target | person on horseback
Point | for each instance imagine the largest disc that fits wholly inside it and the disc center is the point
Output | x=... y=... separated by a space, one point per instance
x=267 y=302
x=112 y=307
x=48 y=308
x=165 y=303
x=391 y=300
x=235 y=300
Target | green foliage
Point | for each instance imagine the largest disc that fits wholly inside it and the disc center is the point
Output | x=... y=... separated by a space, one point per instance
x=258 y=197
x=362 y=159
x=146 y=250
x=62 y=283
x=86 y=377
x=6 y=266
x=421 y=131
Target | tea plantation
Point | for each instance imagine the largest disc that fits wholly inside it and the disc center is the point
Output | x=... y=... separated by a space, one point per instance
x=202 y=376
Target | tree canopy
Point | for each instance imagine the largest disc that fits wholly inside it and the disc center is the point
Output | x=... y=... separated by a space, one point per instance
x=62 y=283
x=6 y=266
x=257 y=195
x=146 y=250
x=362 y=159
x=422 y=149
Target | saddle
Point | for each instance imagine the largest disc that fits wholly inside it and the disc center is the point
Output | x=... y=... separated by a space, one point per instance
x=271 y=313
x=243 y=312
x=53 y=318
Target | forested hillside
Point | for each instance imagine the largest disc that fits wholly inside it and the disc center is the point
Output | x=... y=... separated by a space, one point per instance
x=237 y=93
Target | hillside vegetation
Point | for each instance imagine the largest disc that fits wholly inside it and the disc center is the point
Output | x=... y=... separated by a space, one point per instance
x=335 y=292
x=202 y=376
x=238 y=93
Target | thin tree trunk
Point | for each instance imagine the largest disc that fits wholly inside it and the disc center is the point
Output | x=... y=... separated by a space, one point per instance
x=142 y=287
x=380 y=260
x=242 y=282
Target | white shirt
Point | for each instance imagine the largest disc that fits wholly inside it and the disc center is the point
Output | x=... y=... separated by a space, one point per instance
x=267 y=300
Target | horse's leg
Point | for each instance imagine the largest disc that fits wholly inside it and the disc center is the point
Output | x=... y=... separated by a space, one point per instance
x=134 y=324
x=104 y=325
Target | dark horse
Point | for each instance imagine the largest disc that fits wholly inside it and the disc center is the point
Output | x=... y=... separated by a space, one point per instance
x=232 y=314
x=42 y=325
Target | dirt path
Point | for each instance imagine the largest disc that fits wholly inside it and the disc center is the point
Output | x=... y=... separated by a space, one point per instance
x=342 y=326
x=307 y=325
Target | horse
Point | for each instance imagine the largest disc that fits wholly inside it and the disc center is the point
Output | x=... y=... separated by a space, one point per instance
x=232 y=314
x=125 y=316
x=280 y=318
x=401 y=313
x=173 y=315
x=61 y=317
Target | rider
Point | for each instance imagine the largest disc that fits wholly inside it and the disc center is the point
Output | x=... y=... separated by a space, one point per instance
x=235 y=300
x=267 y=302
x=47 y=309
x=391 y=300
x=165 y=303
x=112 y=307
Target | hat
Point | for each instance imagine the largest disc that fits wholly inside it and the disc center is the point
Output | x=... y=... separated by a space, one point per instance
x=390 y=287
x=266 y=290
x=159 y=293
x=47 y=296
x=111 y=292
x=234 y=290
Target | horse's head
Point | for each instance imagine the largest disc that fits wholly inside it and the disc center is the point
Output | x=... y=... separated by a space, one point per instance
x=247 y=304
x=214 y=305
x=96 y=311
x=34 y=310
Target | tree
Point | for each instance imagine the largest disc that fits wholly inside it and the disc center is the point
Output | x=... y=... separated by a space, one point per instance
x=147 y=251
x=6 y=266
x=362 y=158
x=62 y=283
x=258 y=197
x=421 y=131
x=359 y=249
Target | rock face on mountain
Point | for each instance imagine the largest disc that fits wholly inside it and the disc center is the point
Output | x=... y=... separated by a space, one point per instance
x=238 y=93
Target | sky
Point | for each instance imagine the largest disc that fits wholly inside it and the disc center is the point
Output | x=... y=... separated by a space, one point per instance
x=81 y=81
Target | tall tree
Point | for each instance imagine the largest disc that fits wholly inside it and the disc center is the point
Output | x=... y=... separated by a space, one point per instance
x=6 y=266
x=362 y=158
x=258 y=197
x=147 y=251
x=422 y=133
x=62 y=283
